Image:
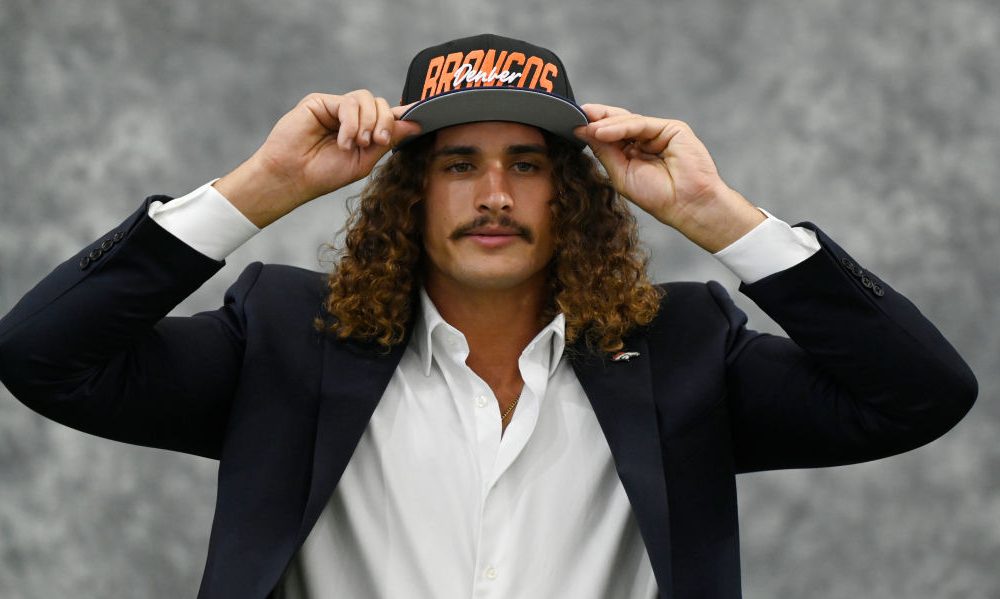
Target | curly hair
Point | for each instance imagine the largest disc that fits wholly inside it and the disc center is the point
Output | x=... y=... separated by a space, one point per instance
x=597 y=277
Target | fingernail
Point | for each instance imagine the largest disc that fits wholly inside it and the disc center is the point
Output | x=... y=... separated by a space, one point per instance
x=366 y=137
x=384 y=136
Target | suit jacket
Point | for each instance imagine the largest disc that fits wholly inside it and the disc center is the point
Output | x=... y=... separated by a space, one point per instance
x=282 y=406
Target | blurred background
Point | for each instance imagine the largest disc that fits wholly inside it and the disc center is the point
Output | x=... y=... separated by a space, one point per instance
x=879 y=121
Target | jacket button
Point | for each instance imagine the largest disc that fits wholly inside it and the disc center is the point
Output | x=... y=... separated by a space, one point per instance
x=95 y=254
x=118 y=236
x=84 y=262
x=867 y=282
x=847 y=264
x=106 y=244
x=877 y=290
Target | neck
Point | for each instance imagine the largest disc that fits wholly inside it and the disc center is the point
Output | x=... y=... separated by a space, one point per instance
x=498 y=325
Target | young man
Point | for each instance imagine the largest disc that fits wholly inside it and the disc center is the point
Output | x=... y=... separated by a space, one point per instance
x=486 y=397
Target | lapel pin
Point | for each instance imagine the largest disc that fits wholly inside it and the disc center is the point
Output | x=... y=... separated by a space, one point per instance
x=624 y=356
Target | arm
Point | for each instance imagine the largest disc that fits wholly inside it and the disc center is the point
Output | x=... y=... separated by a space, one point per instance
x=865 y=375
x=90 y=345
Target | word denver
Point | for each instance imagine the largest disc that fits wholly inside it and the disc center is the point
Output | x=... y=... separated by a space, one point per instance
x=480 y=68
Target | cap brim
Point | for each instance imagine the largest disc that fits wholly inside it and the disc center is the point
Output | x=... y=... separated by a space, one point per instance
x=545 y=111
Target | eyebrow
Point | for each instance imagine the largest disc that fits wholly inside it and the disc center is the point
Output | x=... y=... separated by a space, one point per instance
x=473 y=150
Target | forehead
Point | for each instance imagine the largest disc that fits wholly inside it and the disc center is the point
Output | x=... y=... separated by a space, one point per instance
x=488 y=135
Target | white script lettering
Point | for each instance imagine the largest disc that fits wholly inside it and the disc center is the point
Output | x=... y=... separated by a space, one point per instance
x=464 y=74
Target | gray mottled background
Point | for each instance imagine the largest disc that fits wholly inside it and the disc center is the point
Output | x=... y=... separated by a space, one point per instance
x=880 y=121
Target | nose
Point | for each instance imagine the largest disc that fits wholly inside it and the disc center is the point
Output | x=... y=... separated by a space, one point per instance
x=494 y=191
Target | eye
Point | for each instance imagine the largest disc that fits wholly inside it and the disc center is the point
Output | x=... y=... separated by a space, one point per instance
x=523 y=166
x=459 y=167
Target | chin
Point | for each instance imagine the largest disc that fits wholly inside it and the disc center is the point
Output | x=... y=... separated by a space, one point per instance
x=497 y=279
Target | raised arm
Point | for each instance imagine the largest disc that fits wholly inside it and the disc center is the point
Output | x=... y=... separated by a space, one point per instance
x=865 y=374
x=90 y=346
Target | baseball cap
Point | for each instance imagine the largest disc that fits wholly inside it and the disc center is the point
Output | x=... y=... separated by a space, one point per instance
x=489 y=77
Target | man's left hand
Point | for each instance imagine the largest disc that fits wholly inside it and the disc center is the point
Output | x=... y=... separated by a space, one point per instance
x=662 y=167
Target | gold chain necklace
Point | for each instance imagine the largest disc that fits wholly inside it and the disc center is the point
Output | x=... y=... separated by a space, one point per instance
x=510 y=409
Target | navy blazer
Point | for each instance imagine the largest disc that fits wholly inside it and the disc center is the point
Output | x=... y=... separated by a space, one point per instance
x=282 y=406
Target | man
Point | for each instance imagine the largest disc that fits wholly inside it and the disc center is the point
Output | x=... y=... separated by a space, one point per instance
x=486 y=397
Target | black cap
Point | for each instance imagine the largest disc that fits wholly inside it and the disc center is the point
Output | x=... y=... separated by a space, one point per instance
x=491 y=78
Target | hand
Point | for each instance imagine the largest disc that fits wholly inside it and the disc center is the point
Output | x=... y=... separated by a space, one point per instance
x=662 y=167
x=323 y=144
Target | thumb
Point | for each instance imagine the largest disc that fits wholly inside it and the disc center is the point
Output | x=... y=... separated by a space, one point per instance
x=609 y=154
x=402 y=129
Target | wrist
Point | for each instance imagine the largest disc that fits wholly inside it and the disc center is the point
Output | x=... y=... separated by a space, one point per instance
x=258 y=192
x=722 y=220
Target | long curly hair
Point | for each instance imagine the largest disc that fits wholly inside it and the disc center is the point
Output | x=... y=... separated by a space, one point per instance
x=597 y=277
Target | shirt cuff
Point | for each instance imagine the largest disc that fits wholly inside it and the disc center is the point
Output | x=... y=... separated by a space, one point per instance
x=770 y=247
x=205 y=220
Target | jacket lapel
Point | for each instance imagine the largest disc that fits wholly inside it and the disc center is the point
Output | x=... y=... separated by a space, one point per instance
x=621 y=394
x=354 y=377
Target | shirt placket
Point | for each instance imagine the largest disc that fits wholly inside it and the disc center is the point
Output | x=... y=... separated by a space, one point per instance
x=490 y=578
x=494 y=452
x=480 y=416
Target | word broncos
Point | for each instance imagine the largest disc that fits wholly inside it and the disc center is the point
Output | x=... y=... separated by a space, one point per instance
x=481 y=68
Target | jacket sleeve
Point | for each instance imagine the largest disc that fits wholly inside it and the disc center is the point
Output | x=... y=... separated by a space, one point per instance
x=867 y=376
x=91 y=347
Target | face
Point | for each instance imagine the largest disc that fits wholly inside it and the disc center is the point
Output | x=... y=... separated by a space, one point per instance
x=487 y=219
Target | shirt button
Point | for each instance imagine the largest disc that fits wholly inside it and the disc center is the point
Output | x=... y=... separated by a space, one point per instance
x=481 y=401
x=490 y=573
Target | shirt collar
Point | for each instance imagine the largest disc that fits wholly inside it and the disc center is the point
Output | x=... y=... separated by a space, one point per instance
x=551 y=338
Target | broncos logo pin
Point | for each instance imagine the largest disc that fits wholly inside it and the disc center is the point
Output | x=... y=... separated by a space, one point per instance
x=624 y=356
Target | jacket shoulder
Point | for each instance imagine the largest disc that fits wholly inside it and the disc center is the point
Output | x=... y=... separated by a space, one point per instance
x=690 y=303
x=278 y=283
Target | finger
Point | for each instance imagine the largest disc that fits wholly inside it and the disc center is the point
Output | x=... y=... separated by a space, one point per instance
x=399 y=111
x=593 y=127
x=348 y=115
x=383 y=122
x=584 y=133
x=324 y=108
x=613 y=121
x=652 y=135
x=620 y=127
x=596 y=112
x=367 y=115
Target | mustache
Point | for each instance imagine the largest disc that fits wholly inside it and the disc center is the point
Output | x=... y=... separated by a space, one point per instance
x=500 y=221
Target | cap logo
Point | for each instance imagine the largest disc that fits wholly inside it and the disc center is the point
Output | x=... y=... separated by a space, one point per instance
x=489 y=68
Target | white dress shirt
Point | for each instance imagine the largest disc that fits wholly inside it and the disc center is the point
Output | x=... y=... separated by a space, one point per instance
x=435 y=502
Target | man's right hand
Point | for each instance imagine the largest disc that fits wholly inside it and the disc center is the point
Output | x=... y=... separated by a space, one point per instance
x=323 y=144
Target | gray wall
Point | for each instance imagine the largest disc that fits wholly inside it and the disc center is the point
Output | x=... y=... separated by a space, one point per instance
x=880 y=121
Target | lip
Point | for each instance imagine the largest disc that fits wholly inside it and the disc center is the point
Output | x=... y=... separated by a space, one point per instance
x=487 y=232
x=493 y=236
x=492 y=241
